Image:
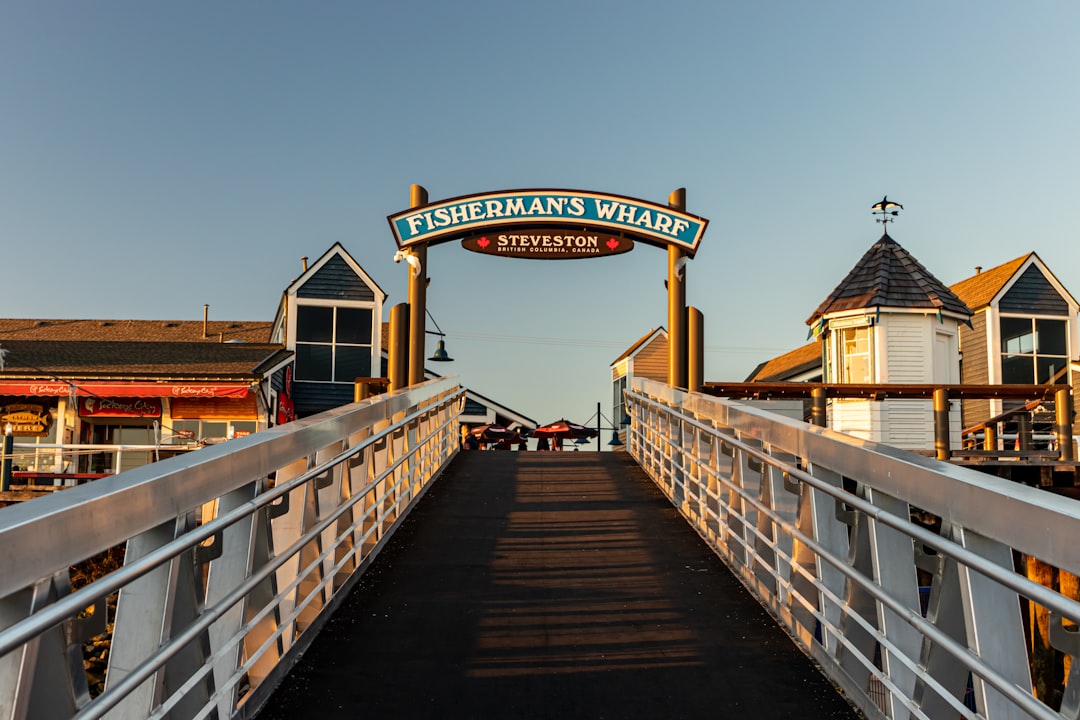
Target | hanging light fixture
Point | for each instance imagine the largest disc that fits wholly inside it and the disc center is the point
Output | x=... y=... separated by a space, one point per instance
x=440 y=354
x=615 y=441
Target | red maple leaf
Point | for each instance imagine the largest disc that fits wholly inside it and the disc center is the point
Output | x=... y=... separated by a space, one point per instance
x=612 y=243
x=483 y=243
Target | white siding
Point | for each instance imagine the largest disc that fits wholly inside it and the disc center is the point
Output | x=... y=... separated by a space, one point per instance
x=854 y=417
x=907 y=341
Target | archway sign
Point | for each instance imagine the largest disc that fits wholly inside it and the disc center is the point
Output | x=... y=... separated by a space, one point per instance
x=546 y=224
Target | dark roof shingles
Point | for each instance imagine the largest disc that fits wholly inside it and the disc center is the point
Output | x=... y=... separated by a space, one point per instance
x=888 y=276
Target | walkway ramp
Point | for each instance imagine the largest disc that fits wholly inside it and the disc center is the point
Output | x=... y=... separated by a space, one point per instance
x=551 y=585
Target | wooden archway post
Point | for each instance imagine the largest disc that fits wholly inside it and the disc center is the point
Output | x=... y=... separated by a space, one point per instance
x=418 y=197
x=676 y=288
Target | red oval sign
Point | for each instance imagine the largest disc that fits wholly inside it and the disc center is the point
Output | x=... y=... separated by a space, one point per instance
x=548 y=243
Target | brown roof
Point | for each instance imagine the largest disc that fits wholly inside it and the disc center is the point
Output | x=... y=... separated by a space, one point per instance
x=789 y=364
x=888 y=276
x=133 y=330
x=139 y=348
x=638 y=343
x=978 y=290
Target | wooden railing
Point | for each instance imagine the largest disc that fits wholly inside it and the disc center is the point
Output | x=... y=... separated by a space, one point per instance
x=820 y=393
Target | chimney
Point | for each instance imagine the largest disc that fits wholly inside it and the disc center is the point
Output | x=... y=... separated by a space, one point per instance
x=205 y=315
x=303 y=261
x=978 y=269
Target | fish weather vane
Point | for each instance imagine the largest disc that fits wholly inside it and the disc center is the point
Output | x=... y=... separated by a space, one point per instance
x=887 y=209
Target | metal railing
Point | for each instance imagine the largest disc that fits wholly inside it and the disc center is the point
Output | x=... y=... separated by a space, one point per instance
x=234 y=558
x=905 y=578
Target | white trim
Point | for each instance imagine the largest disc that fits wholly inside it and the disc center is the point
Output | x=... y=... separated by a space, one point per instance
x=336 y=249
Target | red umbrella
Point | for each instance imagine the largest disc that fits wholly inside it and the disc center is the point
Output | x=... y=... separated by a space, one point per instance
x=564 y=430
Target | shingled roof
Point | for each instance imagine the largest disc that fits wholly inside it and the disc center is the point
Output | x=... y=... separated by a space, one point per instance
x=978 y=290
x=125 y=348
x=788 y=365
x=887 y=276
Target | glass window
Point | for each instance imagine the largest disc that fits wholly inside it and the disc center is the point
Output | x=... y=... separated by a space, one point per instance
x=353 y=326
x=1033 y=350
x=314 y=324
x=314 y=362
x=333 y=344
x=1051 y=337
x=853 y=349
x=351 y=362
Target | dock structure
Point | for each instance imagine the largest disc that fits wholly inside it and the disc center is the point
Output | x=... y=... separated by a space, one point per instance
x=544 y=585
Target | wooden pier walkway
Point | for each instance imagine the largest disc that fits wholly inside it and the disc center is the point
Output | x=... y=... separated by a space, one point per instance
x=551 y=585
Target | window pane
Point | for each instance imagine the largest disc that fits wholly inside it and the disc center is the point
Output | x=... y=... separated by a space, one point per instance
x=214 y=430
x=313 y=362
x=855 y=355
x=185 y=430
x=314 y=324
x=352 y=362
x=1051 y=337
x=1017 y=335
x=1017 y=369
x=239 y=428
x=354 y=326
x=1049 y=367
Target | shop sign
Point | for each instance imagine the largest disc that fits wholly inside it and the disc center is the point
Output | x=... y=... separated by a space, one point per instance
x=510 y=211
x=26 y=419
x=119 y=407
x=548 y=244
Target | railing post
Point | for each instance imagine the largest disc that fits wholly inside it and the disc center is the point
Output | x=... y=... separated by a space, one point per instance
x=941 y=424
x=9 y=450
x=398 y=360
x=1063 y=424
x=818 y=408
x=1023 y=430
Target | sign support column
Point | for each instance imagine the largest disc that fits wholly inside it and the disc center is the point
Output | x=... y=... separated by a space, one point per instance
x=418 y=197
x=676 y=287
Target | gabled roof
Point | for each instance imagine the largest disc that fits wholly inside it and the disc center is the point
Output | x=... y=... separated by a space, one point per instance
x=788 y=365
x=336 y=250
x=641 y=342
x=980 y=289
x=887 y=276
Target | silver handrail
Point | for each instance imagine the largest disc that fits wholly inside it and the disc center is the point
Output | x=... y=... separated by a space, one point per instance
x=837 y=537
x=235 y=557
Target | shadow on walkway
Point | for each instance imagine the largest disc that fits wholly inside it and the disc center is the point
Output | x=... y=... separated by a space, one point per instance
x=551 y=585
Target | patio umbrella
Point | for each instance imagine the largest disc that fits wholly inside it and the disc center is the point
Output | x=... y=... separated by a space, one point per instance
x=493 y=433
x=564 y=430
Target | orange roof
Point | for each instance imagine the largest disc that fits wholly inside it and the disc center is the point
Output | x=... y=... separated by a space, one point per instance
x=790 y=363
x=978 y=290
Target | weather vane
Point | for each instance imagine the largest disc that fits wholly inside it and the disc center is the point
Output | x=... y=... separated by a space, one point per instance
x=887 y=209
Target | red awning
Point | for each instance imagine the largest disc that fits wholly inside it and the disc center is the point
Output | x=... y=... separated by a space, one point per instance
x=37 y=388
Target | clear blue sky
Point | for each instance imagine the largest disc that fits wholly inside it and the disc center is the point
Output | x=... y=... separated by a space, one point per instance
x=158 y=156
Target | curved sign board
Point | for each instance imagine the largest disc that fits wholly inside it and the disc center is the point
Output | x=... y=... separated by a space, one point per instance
x=515 y=212
x=551 y=243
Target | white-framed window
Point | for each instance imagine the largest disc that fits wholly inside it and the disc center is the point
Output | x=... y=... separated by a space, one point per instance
x=333 y=343
x=1034 y=350
x=854 y=354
